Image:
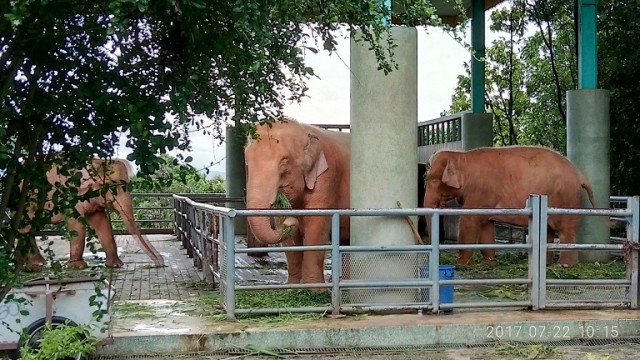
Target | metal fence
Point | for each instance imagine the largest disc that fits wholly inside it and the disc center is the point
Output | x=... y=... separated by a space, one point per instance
x=443 y=133
x=153 y=212
x=209 y=231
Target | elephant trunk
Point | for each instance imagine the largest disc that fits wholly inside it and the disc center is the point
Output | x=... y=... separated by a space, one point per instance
x=430 y=202
x=124 y=206
x=261 y=197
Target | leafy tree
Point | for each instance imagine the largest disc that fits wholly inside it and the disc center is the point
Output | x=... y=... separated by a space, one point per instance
x=173 y=177
x=548 y=57
x=176 y=177
x=75 y=74
x=619 y=60
x=529 y=70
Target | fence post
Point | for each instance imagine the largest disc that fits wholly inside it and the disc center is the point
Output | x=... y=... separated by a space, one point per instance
x=195 y=242
x=542 y=255
x=336 y=264
x=230 y=257
x=434 y=262
x=175 y=217
x=633 y=236
x=533 y=203
x=206 y=252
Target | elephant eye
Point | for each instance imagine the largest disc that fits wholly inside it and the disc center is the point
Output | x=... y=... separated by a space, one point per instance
x=284 y=165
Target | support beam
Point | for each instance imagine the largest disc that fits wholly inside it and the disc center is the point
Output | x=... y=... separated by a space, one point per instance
x=384 y=116
x=236 y=178
x=477 y=56
x=477 y=130
x=587 y=45
x=588 y=149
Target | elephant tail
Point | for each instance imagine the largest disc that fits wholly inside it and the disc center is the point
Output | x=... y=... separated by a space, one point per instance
x=584 y=183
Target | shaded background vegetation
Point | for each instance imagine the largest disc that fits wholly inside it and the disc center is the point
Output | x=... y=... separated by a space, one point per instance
x=534 y=62
x=173 y=177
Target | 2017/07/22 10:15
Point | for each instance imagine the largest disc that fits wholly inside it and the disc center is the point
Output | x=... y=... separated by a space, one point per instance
x=563 y=332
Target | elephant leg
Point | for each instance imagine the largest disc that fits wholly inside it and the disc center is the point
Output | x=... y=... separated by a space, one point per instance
x=294 y=260
x=550 y=239
x=487 y=236
x=76 y=244
x=468 y=234
x=29 y=257
x=316 y=232
x=35 y=259
x=568 y=258
x=101 y=223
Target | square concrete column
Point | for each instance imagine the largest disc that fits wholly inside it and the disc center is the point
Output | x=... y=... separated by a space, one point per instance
x=588 y=149
x=477 y=130
x=235 y=182
x=384 y=116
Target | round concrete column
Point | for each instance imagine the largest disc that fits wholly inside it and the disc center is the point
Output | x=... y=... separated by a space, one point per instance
x=236 y=182
x=588 y=149
x=384 y=161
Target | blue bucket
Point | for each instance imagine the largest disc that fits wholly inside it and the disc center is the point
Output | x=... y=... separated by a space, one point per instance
x=447 y=272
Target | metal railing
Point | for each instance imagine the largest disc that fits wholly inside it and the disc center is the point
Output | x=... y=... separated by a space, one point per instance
x=156 y=218
x=441 y=130
x=443 y=133
x=210 y=232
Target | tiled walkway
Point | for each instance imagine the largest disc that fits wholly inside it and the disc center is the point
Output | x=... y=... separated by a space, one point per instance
x=138 y=279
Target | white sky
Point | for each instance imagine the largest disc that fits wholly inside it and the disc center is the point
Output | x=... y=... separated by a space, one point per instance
x=440 y=61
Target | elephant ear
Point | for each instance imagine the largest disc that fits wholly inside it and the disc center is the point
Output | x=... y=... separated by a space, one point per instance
x=315 y=163
x=451 y=175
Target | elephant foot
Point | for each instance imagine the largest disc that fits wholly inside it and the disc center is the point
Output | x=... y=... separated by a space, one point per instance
x=465 y=258
x=491 y=261
x=35 y=262
x=568 y=259
x=77 y=264
x=114 y=263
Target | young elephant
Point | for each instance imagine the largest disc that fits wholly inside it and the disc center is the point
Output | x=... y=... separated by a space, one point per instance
x=95 y=176
x=504 y=178
x=310 y=166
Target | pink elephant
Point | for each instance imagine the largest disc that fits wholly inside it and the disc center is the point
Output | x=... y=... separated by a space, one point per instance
x=504 y=177
x=310 y=166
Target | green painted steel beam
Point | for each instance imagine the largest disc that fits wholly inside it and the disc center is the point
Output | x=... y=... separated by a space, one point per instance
x=587 y=45
x=477 y=58
x=386 y=20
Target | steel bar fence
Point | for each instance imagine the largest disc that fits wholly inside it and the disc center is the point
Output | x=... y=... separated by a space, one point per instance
x=540 y=289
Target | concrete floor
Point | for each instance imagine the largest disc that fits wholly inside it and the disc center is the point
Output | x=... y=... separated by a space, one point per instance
x=171 y=325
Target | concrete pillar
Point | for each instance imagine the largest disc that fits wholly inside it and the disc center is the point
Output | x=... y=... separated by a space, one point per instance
x=236 y=181
x=477 y=130
x=588 y=149
x=384 y=110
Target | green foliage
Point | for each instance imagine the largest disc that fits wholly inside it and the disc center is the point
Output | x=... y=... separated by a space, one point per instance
x=209 y=305
x=175 y=177
x=87 y=72
x=60 y=341
x=172 y=177
x=619 y=59
x=527 y=73
x=523 y=351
